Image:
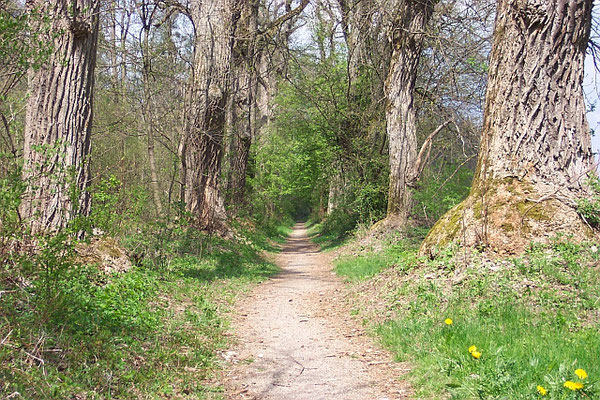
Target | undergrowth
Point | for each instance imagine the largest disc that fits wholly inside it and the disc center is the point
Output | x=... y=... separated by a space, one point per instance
x=151 y=332
x=534 y=320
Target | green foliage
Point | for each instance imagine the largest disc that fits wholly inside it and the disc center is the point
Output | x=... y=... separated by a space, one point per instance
x=21 y=47
x=11 y=189
x=323 y=136
x=589 y=208
x=438 y=193
x=149 y=332
x=292 y=162
x=533 y=318
x=106 y=197
x=339 y=223
x=370 y=202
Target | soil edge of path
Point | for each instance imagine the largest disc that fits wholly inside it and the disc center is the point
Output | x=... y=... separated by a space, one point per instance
x=295 y=337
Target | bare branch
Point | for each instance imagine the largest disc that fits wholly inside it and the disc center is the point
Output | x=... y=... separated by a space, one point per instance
x=284 y=18
x=425 y=150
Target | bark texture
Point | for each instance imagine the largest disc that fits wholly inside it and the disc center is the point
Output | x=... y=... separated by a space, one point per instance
x=59 y=117
x=243 y=116
x=407 y=40
x=535 y=147
x=215 y=22
x=241 y=126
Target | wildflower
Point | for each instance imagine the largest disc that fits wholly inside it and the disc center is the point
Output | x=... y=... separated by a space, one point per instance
x=573 y=385
x=581 y=373
x=476 y=354
x=541 y=390
x=472 y=349
x=448 y=321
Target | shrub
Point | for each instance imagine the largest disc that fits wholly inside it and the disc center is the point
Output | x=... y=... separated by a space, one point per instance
x=589 y=208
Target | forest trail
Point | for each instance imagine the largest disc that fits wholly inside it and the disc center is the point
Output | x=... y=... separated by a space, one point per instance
x=297 y=340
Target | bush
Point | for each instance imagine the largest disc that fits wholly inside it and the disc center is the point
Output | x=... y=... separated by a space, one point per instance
x=339 y=223
x=589 y=208
x=438 y=194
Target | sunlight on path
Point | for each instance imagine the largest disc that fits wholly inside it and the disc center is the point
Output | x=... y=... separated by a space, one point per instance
x=293 y=343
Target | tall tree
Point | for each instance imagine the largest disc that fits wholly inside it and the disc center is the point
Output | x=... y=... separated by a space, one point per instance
x=147 y=14
x=242 y=122
x=215 y=23
x=408 y=32
x=535 y=147
x=254 y=85
x=59 y=115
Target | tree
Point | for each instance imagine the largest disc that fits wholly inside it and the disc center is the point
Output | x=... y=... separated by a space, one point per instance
x=59 y=116
x=260 y=34
x=147 y=13
x=535 y=147
x=215 y=23
x=408 y=31
x=243 y=106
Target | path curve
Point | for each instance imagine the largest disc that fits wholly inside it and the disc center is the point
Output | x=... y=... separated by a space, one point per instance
x=296 y=339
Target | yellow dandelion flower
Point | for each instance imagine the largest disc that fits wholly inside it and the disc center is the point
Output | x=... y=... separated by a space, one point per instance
x=448 y=321
x=573 y=385
x=476 y=354
x=581 y=373
x=472 y=349
x=541 y=390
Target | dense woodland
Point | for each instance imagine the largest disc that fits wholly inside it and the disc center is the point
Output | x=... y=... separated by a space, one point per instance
x=159 y=130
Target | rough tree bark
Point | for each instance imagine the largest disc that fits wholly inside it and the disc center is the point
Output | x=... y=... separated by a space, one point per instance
x=408 y=31
x=59 y=117
x=535 y=147
x=215 y=22
x=241 y=137
x=337 y=187
x=242 y=124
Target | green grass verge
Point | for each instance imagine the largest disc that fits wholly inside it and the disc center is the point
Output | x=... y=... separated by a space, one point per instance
x=327 y=240
x=149 y=333
x=535 y=319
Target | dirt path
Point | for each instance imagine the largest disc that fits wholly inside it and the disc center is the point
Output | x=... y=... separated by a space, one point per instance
x=297 y=339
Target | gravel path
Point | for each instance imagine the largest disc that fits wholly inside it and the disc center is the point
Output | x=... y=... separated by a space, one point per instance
x=296 y=339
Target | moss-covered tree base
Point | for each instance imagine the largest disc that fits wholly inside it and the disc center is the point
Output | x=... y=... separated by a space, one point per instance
x=506 y=217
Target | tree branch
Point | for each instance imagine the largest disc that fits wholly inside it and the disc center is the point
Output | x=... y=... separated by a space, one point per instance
x=284 y=18
x=173 y=5
x=424 y=152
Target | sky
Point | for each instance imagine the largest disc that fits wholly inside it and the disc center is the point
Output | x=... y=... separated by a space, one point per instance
x=591 y=84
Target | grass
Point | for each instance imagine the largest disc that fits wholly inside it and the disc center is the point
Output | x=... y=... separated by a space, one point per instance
x=394 y=252
x=362 y=267
x=326 y=239
x=535 y=319
x=152 y=332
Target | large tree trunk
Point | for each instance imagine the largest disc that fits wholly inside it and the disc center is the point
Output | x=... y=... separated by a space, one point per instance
x=535 y=148
x=59 y=117
x=215 y=23
x=246 y=59
x=241 y=136
x=407 y=40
